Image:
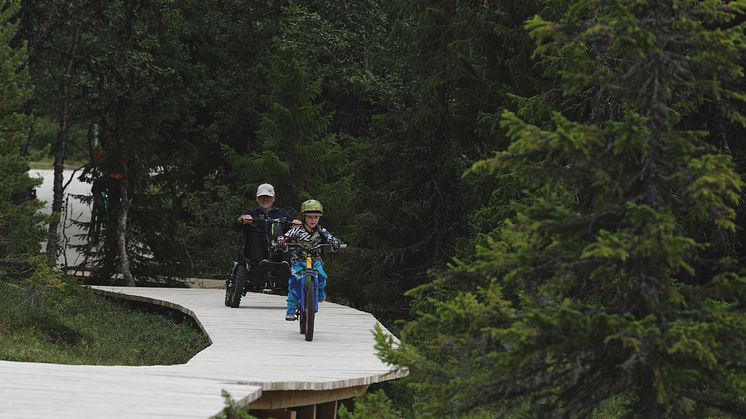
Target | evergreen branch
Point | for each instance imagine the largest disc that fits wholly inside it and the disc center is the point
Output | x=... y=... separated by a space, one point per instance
x=719 y=401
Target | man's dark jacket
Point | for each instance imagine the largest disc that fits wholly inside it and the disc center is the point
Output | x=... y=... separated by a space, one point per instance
x=257 y=236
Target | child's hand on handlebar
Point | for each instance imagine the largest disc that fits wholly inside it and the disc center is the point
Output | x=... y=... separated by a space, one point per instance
x=246 y=219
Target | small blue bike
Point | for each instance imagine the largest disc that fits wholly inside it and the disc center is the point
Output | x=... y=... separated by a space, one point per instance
x=307 y=288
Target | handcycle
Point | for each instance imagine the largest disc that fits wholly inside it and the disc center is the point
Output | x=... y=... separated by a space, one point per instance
x=268 y=276
x=307 y=288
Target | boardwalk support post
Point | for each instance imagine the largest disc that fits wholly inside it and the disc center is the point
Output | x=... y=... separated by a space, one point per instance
x=327 y=410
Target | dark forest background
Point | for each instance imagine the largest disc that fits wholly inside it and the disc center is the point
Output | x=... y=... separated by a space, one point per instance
x=546 y=193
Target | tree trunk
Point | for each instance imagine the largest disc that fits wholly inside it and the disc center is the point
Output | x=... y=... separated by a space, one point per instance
x=124 y=260
x=60 y=153
x=53 y=241
x=647 y=405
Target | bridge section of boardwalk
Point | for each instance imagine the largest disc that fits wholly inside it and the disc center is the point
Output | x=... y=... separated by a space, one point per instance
x=259 y=358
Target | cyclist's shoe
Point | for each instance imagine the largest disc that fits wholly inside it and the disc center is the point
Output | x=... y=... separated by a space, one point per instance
x=322 y=296
x=290 y=317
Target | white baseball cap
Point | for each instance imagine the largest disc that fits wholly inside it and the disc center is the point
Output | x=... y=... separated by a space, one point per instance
x=265 y=189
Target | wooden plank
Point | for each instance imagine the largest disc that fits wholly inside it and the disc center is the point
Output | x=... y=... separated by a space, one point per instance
x=32 y=390
x=265 y=350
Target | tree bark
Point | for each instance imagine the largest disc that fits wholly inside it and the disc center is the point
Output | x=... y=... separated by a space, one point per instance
x=647 y=405
x=60 y=152
x=124 y=261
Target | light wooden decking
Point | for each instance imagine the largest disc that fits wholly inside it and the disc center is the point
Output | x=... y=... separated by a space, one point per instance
x=253 y=350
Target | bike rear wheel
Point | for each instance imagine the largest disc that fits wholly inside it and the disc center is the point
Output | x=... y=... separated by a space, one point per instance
x=310 y=311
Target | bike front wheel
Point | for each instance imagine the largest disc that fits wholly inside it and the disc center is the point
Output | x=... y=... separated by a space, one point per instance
x=310 y=311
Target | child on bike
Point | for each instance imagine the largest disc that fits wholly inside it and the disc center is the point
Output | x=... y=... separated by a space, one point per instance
x=309 y=234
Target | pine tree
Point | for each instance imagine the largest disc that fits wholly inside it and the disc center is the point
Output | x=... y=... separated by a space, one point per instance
x=594 y=293
x=20 y=231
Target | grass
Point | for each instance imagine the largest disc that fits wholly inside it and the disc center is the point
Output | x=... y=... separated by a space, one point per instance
x=76 y=326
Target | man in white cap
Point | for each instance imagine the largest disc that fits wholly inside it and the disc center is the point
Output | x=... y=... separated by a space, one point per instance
x=256 y=234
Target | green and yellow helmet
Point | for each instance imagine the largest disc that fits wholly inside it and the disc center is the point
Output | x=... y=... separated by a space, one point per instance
x=311 y=207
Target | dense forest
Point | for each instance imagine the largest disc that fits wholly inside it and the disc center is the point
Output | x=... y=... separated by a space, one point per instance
x=542 y=198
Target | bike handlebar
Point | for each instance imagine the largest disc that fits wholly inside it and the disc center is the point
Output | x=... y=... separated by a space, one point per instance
x=318 y=246
x=273 y=220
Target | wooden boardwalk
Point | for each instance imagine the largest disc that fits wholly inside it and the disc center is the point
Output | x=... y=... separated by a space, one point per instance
x=255 y=355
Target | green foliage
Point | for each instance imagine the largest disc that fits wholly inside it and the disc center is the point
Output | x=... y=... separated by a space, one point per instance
x=44 y=137
x=20 y=231
x=587 y=193
x=43 y=280
x=296 y=153
x=371 y=405
x=594 y=291
x=129 y=88
x=412 y=207
x=208 y=249
x=454 y=357
x=232 y=409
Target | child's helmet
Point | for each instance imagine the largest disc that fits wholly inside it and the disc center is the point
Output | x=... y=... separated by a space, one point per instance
x=311 y=207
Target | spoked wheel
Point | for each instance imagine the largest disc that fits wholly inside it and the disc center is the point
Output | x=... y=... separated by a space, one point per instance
x=310 y=312
x=230 y=284
x=240 y=277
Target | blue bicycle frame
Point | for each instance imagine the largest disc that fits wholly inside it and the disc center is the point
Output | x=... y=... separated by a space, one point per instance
x=308 y=274
x=309 y=281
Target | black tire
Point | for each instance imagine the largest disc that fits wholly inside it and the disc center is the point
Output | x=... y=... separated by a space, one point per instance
x=229 y=285
x=310 y=314
x=240 y=276
x=302 y=321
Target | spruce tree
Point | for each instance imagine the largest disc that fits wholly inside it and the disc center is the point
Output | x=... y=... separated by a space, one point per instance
x=296 y=152
x=449 y=64
x=20 y=231
x=594 y=294
x=135 y=65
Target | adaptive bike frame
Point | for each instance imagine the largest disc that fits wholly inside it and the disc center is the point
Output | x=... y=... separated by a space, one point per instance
x=267 y=276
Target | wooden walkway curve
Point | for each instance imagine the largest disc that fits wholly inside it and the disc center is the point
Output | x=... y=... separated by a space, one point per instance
x=254 y=354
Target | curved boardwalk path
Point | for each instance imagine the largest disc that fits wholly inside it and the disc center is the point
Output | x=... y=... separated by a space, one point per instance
x=258 y=357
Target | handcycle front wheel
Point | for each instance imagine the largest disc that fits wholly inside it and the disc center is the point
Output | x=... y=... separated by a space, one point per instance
x=241 y=276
